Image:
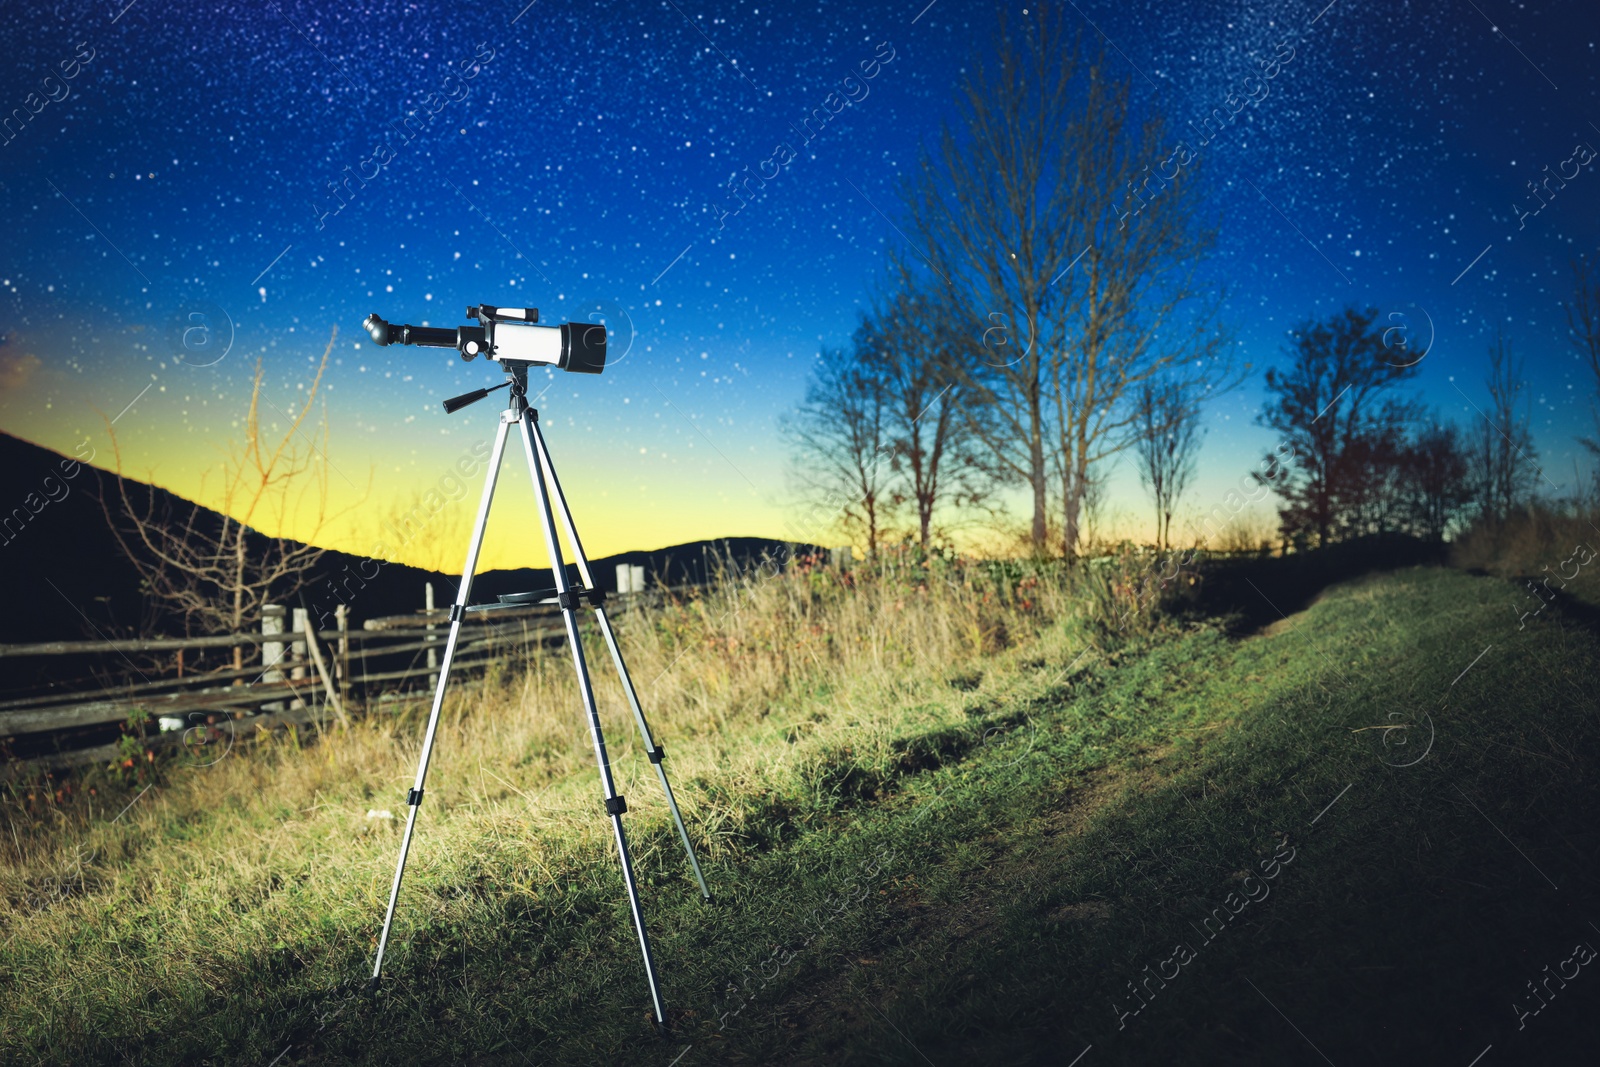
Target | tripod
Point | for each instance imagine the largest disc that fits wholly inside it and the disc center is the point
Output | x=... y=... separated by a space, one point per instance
x=568 y=597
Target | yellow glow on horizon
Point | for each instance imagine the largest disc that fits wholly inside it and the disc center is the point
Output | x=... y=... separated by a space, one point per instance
x=407 y=490
x=425 y=519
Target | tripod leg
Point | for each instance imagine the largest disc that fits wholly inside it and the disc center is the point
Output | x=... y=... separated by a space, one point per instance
x=654 y=750
x=457 y=613
x=614 y=804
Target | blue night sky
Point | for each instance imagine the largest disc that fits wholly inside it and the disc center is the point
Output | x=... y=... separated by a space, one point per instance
x=572 y=156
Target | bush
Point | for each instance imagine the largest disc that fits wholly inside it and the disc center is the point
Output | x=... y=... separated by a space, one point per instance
x=1525 y=544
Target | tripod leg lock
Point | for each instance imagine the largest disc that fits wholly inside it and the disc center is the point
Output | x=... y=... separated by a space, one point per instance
x=616 y=805
x=456 y=611
x=413 y=797
x=657 y=754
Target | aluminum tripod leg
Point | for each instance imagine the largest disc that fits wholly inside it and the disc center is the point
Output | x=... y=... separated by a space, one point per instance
x=457 y=614
x=582 y=559
x=614 y=804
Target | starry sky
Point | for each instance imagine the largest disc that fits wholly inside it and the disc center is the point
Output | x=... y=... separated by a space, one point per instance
x=190 y=188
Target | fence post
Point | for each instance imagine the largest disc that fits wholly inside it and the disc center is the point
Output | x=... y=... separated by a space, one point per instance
x=272 y=651
x=341 y=615
x=636 y=579
x=325 y=673
x=433 y=654
x=624 y=578
x=302 y=621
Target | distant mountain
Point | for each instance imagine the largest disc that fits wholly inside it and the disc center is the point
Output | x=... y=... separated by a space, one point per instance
x=61 y=570
x=65 y=578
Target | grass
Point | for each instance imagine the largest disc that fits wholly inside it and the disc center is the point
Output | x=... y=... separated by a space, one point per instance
x=949 y=817
x=1541 y=542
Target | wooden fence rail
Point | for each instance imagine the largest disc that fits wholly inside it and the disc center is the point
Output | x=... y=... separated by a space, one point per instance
x=286 y=683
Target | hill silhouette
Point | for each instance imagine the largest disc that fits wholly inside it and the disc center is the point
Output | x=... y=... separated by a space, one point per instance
x=68 y=579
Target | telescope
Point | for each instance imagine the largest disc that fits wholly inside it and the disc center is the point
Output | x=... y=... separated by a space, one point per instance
x=510 y=336
x=513 y=338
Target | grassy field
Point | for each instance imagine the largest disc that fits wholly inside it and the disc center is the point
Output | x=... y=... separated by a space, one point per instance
x=950 y=816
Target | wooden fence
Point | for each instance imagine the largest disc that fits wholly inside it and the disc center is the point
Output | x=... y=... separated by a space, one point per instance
x=295 y=675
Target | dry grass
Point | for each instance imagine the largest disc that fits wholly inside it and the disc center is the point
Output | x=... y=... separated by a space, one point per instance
x=1536 y=543
x=812 y=721
x=763 y=686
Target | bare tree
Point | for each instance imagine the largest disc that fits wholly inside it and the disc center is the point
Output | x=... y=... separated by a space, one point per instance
x=1328 y=405
x=1583 y=317
x=1168 y=443
x=427 y=530
x=1370 y=486
x=841 y=445
x=1503 y=459
x=1435 y=480
x=1054 y=297
x=1096 y=493
x=934 y=452
x=215 y=569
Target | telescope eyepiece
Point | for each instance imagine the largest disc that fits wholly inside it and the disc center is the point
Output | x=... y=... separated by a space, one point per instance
x=377 y=329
